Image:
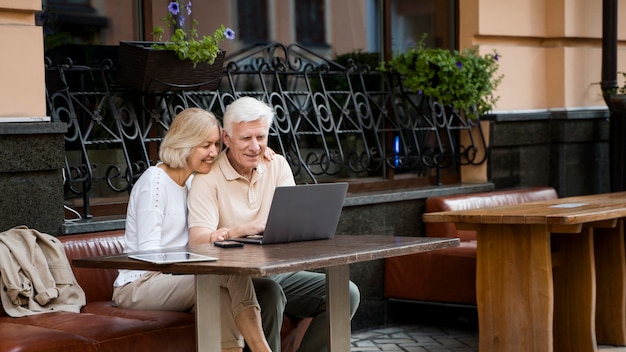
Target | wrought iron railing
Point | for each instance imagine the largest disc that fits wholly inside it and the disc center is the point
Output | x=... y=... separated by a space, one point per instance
x=332 y=121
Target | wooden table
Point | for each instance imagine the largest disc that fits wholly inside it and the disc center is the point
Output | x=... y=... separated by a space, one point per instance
x=335 y=255
x=551 y=274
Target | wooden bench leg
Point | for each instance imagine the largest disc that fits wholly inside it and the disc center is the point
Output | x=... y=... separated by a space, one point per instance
x=514 y=288
x=574 y=292
x=610 y=259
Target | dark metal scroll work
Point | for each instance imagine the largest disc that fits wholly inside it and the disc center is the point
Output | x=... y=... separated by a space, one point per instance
x=332 y=121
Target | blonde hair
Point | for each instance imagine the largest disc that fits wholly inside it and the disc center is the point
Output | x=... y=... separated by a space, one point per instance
x=189 y=129
x=246 y=109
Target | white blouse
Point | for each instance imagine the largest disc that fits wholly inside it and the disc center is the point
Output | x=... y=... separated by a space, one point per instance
x=156 y=217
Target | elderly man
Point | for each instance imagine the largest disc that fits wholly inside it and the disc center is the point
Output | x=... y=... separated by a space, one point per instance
x=235 y=197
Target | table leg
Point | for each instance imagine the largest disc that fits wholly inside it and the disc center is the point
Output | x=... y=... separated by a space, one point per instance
x=208 y=316
x=610 y=285
x=338 y=301
x=514 y=288
x=574 y=291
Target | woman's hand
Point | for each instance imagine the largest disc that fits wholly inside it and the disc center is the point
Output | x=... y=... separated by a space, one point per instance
x=269 y=153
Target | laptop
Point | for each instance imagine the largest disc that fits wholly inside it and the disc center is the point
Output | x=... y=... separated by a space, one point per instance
x=302 y=213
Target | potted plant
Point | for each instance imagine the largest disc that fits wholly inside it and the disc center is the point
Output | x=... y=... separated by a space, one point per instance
x=185 y=62
x=461 y=81
x=464 y=80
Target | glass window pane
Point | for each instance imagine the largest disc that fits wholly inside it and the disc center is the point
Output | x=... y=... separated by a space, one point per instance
x=310 y=22
x=252 y=19
x=430 y=20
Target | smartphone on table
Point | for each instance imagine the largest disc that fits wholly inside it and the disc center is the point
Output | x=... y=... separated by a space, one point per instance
x=228 y=244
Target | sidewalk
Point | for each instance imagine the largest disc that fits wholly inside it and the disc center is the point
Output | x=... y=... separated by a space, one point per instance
x=416 y=338
x=422 y=328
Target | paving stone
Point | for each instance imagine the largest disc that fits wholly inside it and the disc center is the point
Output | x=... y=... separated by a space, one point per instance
x=415 y=338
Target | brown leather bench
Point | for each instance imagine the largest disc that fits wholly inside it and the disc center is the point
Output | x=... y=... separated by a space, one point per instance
x=449 y=275
x=101 y=326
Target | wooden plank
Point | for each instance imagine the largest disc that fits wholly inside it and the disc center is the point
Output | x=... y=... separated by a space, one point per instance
x=514 y=268
x=263 y=260
x=574 y=293
x=610 y=258
x=556 y=228
x=563 y=211
x=610 y=223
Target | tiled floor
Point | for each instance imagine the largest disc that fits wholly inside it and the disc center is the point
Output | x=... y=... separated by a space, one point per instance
x=416 y=338
x=426 y=338
x=422 y=328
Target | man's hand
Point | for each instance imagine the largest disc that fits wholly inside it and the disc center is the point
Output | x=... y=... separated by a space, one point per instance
x=253 y=228
x=200 y=235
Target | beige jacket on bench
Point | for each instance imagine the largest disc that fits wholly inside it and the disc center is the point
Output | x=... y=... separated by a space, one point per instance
x=35 y=274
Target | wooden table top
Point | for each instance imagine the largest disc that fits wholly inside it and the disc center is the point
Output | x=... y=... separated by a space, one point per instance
x=262 y=260
x=563 y=211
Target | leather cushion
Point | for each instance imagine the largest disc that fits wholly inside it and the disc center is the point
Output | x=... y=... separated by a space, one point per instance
x=443 y=275
x=111 y=333
x=97 y=283
x=17 y=337
x=476 y=201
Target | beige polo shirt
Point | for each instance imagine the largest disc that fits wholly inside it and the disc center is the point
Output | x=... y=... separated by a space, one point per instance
x=223 y=198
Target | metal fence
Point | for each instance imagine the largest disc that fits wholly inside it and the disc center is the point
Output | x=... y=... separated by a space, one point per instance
x=333 y=121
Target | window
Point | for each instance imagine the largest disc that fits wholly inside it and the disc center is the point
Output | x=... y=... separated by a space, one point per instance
x=310 y=22
x=412 y=19
x=252 y=18
x=70 y=22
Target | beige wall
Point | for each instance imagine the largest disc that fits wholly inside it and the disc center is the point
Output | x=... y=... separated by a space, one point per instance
x=22 y=94
x=551 y=49
x=346 y=21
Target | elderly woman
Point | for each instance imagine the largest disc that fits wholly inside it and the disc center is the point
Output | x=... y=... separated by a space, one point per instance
x=157 y=219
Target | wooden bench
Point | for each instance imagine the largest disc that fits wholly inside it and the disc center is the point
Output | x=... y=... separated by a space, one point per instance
x=101 y=326
x=449 y=275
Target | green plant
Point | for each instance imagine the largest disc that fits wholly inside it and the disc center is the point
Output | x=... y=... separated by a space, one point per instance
x=188 y=46
x=465 y=81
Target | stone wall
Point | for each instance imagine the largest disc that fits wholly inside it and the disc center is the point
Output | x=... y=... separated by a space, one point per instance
x=31 y=178
x=565 y=150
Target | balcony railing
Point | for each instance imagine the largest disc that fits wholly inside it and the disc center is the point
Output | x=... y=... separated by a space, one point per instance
x=333 y=122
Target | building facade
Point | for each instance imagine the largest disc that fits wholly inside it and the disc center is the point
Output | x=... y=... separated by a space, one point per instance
x=549 y=127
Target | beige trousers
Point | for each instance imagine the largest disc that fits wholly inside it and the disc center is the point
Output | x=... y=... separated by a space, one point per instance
x=158 y=291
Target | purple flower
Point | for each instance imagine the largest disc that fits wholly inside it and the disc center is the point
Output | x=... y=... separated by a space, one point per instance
x=229 y=34
x=181 y=20
x=459 y=64
x=188 y=8
x=173 y=8
x=496 y=57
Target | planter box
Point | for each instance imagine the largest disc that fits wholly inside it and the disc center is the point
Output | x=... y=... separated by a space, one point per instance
x=151 y=70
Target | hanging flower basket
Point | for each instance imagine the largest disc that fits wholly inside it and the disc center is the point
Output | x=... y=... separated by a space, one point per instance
x=147 y=69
